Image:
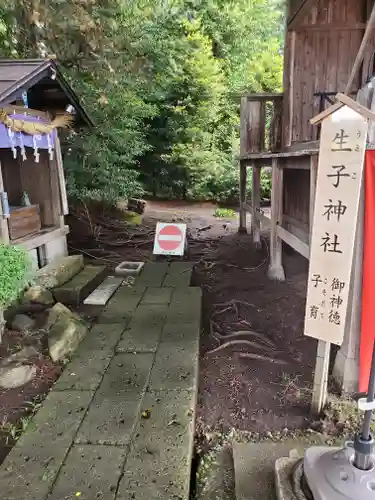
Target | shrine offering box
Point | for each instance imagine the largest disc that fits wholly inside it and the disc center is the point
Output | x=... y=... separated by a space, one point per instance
x=24 y=221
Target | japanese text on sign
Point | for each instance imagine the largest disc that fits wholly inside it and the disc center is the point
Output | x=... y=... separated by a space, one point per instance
x=341 y=157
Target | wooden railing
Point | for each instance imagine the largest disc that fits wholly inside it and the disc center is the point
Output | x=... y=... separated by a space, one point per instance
x=261 y=123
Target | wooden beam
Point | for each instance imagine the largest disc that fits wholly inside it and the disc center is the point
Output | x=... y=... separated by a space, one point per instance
x=332 y=27
x=294 y=242
x=286 y=154
x=35 y=241
x=365 y=112
x=60 y=171
x=321 y=116
x=264 y=219
x=361 y=51
x=301 y=13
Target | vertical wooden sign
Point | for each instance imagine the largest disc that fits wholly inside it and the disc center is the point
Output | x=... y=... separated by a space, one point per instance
x=341 y=159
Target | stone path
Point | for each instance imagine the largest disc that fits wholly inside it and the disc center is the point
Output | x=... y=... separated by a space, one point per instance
x=119 y=423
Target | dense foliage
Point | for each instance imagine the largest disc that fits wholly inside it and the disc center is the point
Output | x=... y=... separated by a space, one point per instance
x=158 y=78
x=14 y=267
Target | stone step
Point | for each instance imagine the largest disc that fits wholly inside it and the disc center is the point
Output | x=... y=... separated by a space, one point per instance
x=77 y=289
x=254 y=465
x=101 y=295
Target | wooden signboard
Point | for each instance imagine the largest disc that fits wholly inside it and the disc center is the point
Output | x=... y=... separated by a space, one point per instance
x=341 y=159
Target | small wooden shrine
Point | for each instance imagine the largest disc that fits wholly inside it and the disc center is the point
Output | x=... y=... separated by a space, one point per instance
x=36 y=102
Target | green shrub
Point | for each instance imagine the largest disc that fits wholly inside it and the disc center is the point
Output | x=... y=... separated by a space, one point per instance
x=14 y=268
x=224 y=213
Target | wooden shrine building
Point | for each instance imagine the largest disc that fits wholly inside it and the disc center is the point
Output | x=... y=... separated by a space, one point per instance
x=32 y=184
x=329 y=50
x=325 y=53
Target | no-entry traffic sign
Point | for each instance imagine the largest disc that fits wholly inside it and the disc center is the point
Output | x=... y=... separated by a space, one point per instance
x=169 y=239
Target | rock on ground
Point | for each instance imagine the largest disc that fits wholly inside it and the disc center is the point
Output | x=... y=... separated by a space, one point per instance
x=12 y=376
x=66 y=330
x=22 y=323
x=38 y=295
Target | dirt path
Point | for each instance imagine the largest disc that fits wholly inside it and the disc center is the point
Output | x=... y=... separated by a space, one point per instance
x=258 y=387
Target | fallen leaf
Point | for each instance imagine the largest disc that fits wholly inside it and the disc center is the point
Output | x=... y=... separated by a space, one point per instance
x=146 y=414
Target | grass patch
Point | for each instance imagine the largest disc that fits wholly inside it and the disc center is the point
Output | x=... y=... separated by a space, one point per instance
x=224 y=213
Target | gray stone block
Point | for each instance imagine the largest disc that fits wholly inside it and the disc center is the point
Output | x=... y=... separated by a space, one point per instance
x=110 y=420
x=175 y=367
x=91 y=472
x=179 y=274
x=115 y=407
x=100 y=337
x=171 y=422
x=157 y=296
x=180 y=334
x=254 y=465
x=153 y=274
x=32 y=466
x=160 y=462
x=149 y=315
x=85 y=372
x=127 y=375
x=122 y=305
x=77 y=289
x=140 y=338
x=156 y=476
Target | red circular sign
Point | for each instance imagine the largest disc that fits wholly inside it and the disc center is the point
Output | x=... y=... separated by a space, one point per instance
x=170 y=238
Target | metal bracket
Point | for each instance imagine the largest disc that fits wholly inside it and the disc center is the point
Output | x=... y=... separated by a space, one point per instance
x=364 y=405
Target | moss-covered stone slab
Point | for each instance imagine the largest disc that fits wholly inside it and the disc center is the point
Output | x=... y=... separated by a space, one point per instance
x=32 y=466
x=116 y=405
x=175 y=366
x=90 y=472
x=153 y=274
x=140 y=338
x=58 y=272
x=81 y=285
x=159 y=465
x=179 y=274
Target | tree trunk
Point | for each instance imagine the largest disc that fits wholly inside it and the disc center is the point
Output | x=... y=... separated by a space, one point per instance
x=2 y=325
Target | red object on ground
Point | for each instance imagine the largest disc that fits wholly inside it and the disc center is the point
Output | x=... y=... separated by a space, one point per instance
x=169 y=238
x=368 y=283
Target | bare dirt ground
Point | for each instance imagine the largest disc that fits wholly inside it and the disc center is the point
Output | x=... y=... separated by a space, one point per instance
x=18 y=405
x=258 y=385
x=258 y=380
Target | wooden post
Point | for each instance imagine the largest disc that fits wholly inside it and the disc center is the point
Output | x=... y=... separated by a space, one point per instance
x=320 y=384
x=313 y=176
x=276 y=270
x=4 y=232
x=60 y=171
x=255 y=199
x=319 y=396
x=243 y=196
